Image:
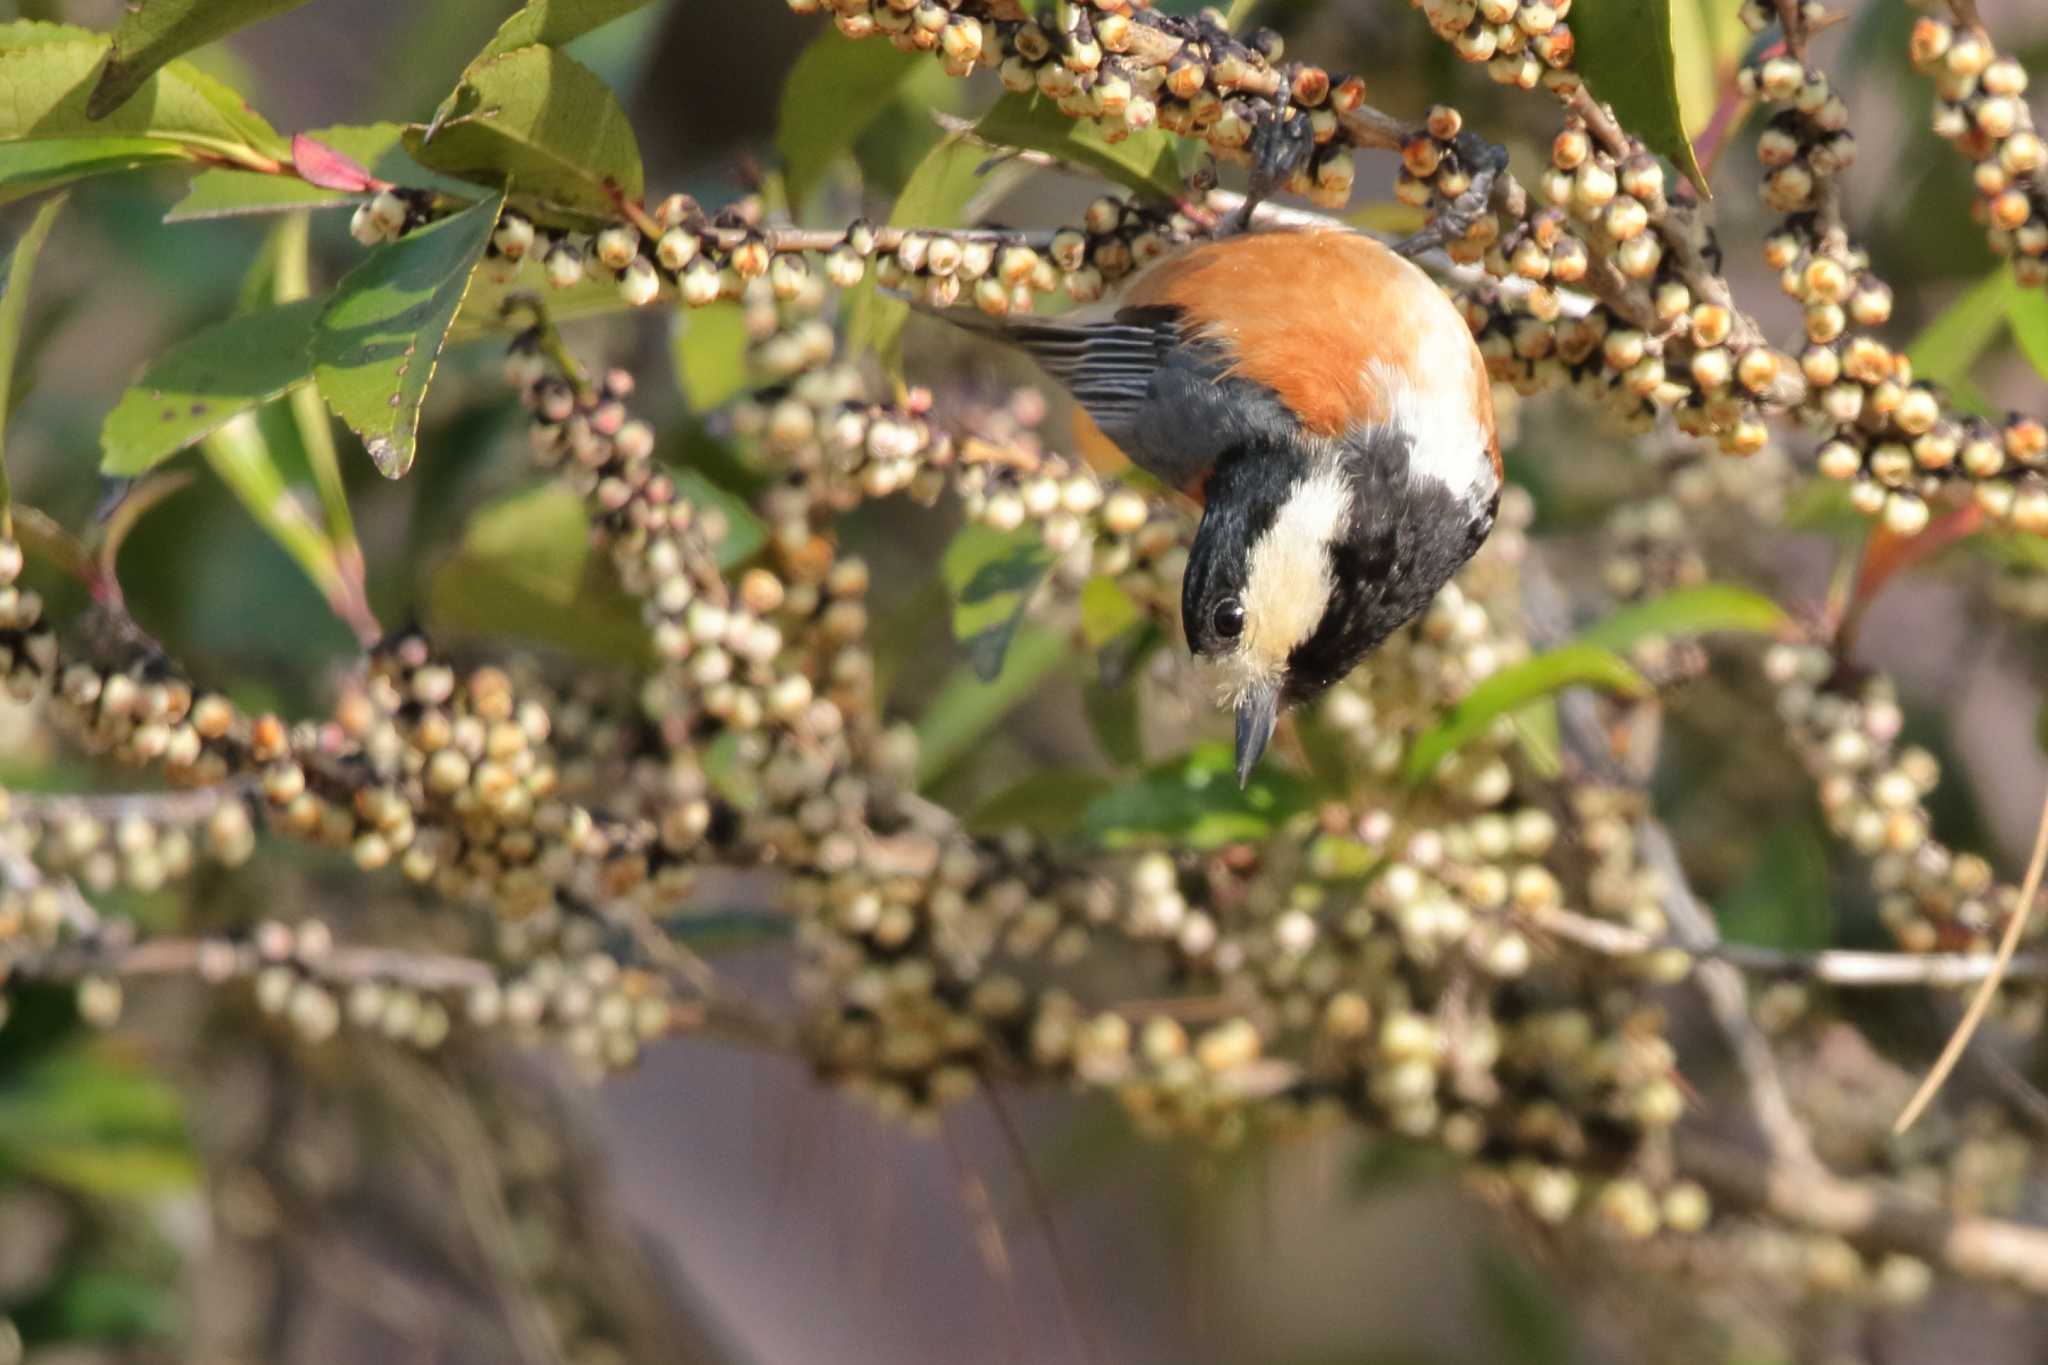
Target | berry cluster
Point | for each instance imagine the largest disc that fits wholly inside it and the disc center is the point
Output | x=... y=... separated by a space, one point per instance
x=1981 y=107
x=1892 y=439
x=1523 y=42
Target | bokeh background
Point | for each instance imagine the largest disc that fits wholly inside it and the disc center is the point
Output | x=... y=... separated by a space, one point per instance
x=717 y=1199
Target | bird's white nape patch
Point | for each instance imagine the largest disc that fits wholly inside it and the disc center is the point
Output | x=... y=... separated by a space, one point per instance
x=1288 y=580
x=1432 y=405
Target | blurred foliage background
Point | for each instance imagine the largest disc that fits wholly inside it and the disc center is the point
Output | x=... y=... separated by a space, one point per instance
x=758 y=1221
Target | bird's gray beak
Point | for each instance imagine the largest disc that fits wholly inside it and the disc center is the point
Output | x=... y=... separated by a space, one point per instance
x=1257 y=712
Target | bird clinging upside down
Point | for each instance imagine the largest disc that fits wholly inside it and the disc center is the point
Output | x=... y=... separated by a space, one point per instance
x=1326 y=404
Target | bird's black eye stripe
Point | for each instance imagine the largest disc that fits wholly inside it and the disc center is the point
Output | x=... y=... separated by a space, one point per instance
x=1227 y=619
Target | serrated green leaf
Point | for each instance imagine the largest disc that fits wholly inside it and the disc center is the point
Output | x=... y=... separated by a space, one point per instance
x=1148 y=162
x=217 y=373
x=378 y=340
x=1698 y=610
x=376 y=146
x=1948 y=347
x=991 y=576
x=20 y=271
x=2028 y=314
x=971 y=704
x=710 y=346
x=155 y=31
x=47 y=71
x=829 y=98
x=1512 y=688
x=1624 y=50
x=1194 y=801
x=1049 y=803
x=543 y=122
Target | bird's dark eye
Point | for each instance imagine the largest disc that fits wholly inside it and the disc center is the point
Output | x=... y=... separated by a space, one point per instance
x=1227 y=619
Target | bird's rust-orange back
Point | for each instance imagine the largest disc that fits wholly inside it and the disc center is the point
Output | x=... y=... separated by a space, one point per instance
x=1311 y=314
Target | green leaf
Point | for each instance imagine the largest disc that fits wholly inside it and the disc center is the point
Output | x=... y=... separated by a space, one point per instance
x=1194 y=801
x=1148 y=162
x=47 y=71
x=194 y=388
x=1512 y=688
x=744 y=533
x=945 y=185
x=991 y=576
x=970 y=704
x=829 y=98
x=543 y=122
x=155 y=31
x=1687 y=611
x=375 y=146
x=241 y=454
x=2028 y=314
x=1113 y=715
x=30 y=167
x=538 y=540
x=21 y=269
x=1782 y=902
x=710 y=347
x=1948 y=347
x=1049 y=803
x=1530 y=1320
x=1107 y=611
x=524 y=571
x=1624 y=50
x=377 y=342
x=553 y=23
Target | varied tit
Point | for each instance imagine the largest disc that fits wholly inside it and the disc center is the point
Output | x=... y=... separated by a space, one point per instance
x=1325 y=402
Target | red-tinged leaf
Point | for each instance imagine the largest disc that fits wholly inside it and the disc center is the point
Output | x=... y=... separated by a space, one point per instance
x=1887 y=554
x=319 y=164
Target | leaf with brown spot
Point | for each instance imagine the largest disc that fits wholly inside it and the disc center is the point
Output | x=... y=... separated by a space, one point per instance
x=397 y=304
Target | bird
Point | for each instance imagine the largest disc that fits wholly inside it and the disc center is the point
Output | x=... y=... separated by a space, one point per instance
x=1325 y=404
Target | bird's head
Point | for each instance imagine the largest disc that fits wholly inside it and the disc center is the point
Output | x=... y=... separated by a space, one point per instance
x=1306 y=561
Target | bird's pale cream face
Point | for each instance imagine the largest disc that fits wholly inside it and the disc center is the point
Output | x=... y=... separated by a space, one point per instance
x=1287 y=584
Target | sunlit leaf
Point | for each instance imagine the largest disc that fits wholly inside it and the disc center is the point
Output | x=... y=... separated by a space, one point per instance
x=381 y=334
x=20 y=271
x=1107 y=611
x=2028 y=314
x=1512 y=688
x=553 y=23
x=971 y=704
x=1624 y=50
x=1148 y=162
x=1948 y=347
x=543 y=122
x=29 y=167
x=830 y=96
x=1698 y=610
x=524 y=571
x=991 y=576
x=216 y=373
x=711 y=354
x=1194 y=802
x=47 y=71
x=154 y=31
